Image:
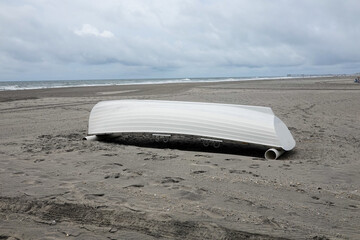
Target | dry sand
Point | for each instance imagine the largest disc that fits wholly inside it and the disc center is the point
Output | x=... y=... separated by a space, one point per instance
x=54 y=185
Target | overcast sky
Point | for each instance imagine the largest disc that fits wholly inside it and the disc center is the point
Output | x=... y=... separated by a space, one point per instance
x=88 y=39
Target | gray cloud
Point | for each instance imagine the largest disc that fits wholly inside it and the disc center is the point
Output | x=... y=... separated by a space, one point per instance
x=188 y=38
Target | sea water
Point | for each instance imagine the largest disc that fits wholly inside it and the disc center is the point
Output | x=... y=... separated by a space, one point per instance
x=23 y=85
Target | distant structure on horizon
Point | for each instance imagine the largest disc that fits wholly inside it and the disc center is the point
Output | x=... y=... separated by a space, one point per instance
x=318 y=75
x=295 y=75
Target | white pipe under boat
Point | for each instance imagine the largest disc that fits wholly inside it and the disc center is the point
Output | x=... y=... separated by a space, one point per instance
x=91 y=138
x=273 y=153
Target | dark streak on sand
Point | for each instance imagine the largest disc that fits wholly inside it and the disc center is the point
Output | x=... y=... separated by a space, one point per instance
x=121 y=219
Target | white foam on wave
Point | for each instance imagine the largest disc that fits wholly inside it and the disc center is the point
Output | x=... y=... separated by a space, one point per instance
x=9 y=88
x=17 y=87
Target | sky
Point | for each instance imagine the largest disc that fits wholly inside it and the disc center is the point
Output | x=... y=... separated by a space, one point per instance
x=122 y=39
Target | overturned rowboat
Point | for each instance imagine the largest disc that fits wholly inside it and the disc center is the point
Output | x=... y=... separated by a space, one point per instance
x=209 y=122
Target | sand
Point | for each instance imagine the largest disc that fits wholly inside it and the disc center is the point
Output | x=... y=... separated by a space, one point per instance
x=55 y=185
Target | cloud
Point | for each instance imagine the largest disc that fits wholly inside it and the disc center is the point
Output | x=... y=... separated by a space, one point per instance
x=178 y=38
x=87 y=29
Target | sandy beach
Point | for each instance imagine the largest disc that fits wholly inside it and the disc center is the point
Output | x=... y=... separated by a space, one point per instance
x=54 y=185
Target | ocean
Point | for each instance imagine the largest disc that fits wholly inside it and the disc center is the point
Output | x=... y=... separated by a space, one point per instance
x=23 y=85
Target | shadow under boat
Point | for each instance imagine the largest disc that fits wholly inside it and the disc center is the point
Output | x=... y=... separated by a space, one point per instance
x=185 y=143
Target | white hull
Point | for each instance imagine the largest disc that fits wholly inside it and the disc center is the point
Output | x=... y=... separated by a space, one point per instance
x=239 y=123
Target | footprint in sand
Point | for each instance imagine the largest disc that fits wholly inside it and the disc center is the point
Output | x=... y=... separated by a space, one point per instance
x=109 y=154
x=199 y=172
x=237 y=171
x=135 y=186
x=202 y=155
x=190 y=195
x=285 y=167
x=113 y=175
x=171 y=180
x=39 y=160
x=91 y=196
x=254 y=166
x=31 y=182
x=243 y=172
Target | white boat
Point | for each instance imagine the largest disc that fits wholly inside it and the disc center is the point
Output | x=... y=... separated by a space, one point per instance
x=209 y=122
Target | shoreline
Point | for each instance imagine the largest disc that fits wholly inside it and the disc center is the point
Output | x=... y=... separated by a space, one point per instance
x=54 y=184
x=82 y=91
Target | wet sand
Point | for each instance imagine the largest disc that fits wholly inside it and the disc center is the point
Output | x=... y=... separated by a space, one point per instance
x=55 y=185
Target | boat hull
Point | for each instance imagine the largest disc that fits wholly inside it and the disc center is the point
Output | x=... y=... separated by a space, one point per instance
x=239 y=123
